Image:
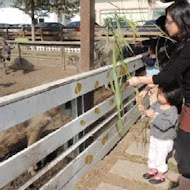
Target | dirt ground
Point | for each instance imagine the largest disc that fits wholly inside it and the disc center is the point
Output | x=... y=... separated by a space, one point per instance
x=18 y=81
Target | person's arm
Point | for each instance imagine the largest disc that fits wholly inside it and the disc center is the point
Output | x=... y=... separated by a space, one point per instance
x=144 y=92
x=134 y=81
x=169 y=73
x=150 y=86
x=148 y=61
x=174 y=70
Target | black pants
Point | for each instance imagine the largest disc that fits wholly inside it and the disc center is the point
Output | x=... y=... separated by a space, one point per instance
x=182 y=146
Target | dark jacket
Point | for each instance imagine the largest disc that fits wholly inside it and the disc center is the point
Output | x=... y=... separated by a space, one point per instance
x=148 y=61
x=178 y=68
x=164 y=47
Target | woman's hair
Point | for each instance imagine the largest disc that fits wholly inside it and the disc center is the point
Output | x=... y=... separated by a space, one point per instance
x=161 y=22
x=173 y=92
x=180 y=13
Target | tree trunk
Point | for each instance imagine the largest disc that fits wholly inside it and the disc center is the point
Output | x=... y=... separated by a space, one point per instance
x=33 y=21
x=58 y=16
x=33 y=30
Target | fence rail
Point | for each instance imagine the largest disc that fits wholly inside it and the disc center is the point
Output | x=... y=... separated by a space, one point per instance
x=27 y=104
x=61 y=34
x=45 y=51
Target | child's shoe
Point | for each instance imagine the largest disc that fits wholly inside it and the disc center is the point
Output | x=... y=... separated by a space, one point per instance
x=150 y=174
x=157 y=179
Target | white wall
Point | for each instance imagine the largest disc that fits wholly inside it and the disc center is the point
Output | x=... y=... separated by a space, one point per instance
x=76 y=18
x=103 y=5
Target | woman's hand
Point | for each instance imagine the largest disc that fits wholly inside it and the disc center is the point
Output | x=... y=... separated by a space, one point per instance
x=134 y=81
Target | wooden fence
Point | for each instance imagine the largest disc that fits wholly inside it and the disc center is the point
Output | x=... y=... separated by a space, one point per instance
x=46 y=51
x=24 y=105
x=62 y=34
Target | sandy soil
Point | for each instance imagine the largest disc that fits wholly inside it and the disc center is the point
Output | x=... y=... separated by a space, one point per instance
x=18 y=80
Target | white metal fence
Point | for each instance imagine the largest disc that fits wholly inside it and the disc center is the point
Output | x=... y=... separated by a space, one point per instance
x=49 y=48
x=24 y=105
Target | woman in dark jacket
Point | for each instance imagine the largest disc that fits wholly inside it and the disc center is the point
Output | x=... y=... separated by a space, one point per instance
x=178 y=67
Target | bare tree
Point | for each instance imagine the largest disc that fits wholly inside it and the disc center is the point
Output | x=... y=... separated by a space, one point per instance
x=41 y=8
x=67 y=7
x=32 y=8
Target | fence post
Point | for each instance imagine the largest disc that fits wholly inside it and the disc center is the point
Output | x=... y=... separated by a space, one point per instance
x=23 y=30
x=80 y=111
x=134 y=37
x=7 y=33
x=41 y=34
x=77 y=109
x=19 y=54
x=63 y=57
x=87 y=43
x=61 y=33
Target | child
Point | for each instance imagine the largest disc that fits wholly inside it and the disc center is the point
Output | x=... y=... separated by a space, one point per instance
x=163 y=129
x=151 y=69
x=150 y=62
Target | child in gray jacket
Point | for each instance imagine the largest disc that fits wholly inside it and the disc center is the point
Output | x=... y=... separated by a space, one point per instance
x=163 y=129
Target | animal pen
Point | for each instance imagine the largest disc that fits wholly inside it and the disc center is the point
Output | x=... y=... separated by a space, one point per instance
x=103 y=135
x=47 y=53
x=93 y=131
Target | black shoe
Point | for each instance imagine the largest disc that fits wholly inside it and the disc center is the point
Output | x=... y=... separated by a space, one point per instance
x=149 y=176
